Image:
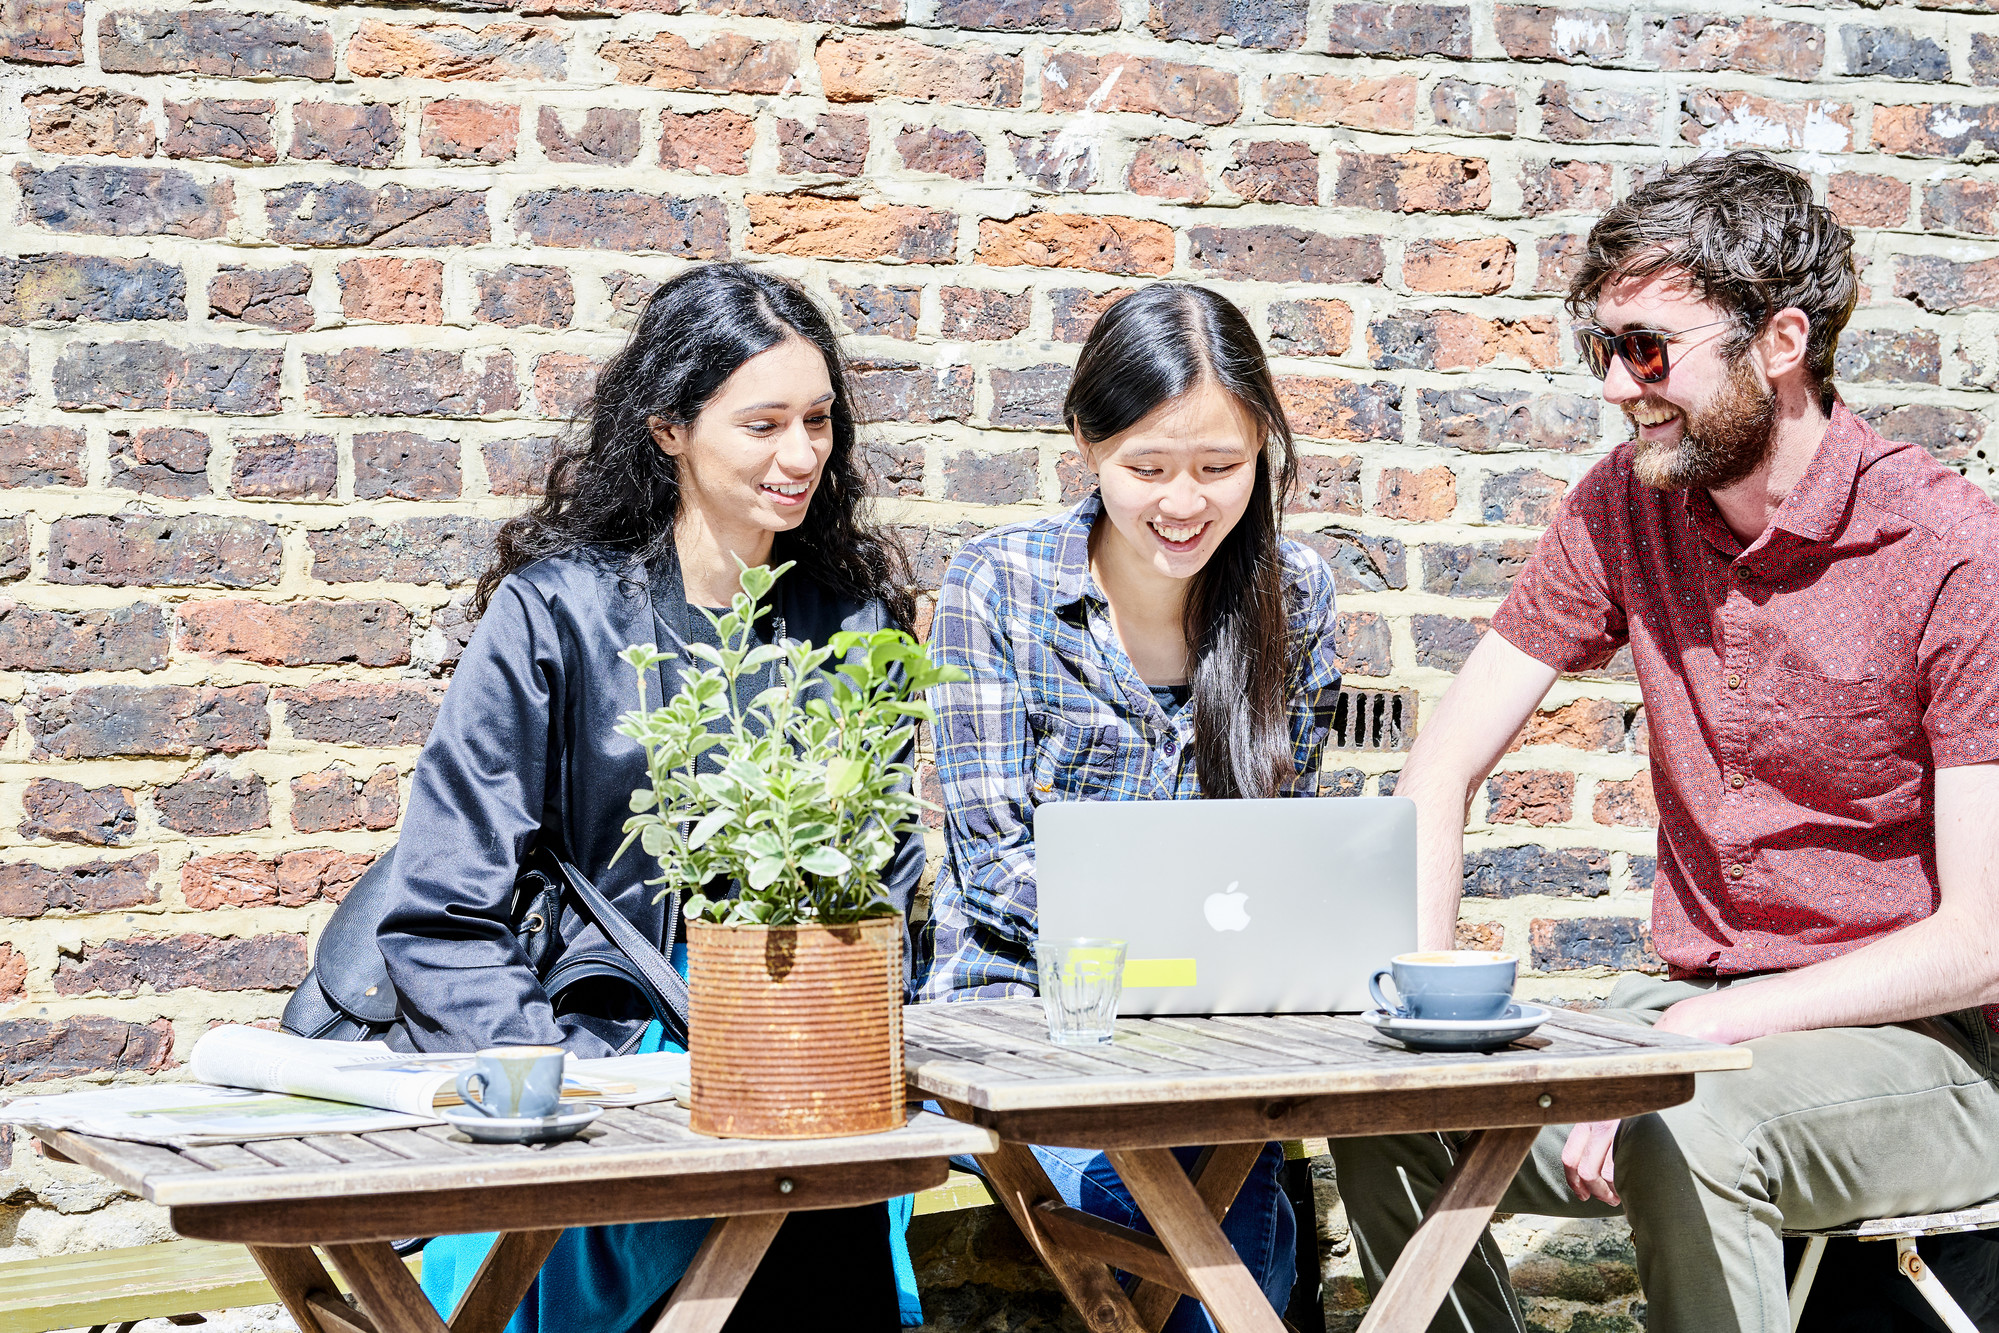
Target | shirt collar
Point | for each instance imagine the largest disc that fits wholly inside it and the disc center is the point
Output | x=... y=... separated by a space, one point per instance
x=1819 y=503
x=1072 y=551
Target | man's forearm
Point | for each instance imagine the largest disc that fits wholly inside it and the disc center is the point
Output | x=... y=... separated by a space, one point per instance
x=1440 y=841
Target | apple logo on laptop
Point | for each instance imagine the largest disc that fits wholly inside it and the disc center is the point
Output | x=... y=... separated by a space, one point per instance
x=1225 y=911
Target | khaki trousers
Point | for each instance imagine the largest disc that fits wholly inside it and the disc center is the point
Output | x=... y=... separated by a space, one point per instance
x=1827 y=1128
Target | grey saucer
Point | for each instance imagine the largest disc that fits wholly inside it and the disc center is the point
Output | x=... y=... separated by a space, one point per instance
x=1458 y=1034
x=565 y=1123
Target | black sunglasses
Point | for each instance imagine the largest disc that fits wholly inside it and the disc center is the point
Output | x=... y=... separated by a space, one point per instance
x=1643 y=351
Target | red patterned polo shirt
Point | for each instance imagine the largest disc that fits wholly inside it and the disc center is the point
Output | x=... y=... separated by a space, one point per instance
x=1800 y=692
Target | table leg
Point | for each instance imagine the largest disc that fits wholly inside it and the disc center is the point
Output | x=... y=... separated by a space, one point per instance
x=502 y=1281
x=1449 y=1231
x=1218 y=1178
x=722 y=1267
x=1182 y=1220
x=382 y=1282
x=302 y=1283
x=1020 y=1184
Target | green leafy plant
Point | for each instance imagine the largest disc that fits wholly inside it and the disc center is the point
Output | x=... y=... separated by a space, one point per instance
x=802 y=807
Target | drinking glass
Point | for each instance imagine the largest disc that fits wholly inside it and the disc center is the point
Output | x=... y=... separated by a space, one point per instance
x=1080 y=983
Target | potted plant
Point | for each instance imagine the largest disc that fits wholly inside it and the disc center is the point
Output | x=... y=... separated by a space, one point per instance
x=795 y=979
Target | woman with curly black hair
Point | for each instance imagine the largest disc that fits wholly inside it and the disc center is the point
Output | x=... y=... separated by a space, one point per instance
x=722 y=433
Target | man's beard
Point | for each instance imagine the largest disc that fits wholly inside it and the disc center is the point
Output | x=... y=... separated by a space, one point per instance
x=1722 y=443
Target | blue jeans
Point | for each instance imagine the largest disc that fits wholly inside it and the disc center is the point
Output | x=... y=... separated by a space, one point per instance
x=1259 y=1223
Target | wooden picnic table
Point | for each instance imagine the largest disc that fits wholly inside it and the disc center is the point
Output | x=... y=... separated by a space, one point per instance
x=353 y=1194
x=1237 y=1082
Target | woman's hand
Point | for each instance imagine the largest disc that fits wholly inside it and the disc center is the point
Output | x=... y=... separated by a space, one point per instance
x=1589 y=1161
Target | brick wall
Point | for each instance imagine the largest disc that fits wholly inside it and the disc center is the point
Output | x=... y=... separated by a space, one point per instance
x=292 y=296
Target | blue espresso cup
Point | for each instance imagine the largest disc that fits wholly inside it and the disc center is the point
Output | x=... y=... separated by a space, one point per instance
x=1462 y=984
x=514 y=1082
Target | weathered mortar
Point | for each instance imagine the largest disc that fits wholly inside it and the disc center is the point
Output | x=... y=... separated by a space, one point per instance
x=293 y=295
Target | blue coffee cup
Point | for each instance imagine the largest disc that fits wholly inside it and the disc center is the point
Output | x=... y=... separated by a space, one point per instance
x=514 y=1082
x=1448 y=984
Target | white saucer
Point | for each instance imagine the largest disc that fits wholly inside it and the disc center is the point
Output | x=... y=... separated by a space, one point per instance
x=1458 y=1034
x=565 y=1123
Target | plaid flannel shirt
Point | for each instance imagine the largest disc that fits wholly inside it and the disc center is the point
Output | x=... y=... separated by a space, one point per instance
x=1054 y=710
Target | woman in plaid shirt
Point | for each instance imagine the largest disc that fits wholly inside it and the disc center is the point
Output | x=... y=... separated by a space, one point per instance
x=1160 y=641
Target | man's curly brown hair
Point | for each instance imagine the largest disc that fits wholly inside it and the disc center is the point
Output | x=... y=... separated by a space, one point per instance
x=1745 y=234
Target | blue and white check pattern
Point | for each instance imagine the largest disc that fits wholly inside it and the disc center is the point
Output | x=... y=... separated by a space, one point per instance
x=1054 y=710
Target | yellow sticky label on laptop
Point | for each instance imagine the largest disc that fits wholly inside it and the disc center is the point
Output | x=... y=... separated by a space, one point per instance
x=1158 y=972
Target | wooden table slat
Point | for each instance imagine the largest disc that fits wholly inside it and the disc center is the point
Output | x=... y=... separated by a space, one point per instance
x=1202 y=1050
x=353 y=1148
x=228 y=1157
x=1029 y=1051
x=408 y=1145
x=1125 y=1055
x=292 y=1153
x=628 y=1119
x=1299 y=1046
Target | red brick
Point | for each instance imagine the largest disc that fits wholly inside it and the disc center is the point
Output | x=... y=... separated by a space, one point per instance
x=359 y=713
x=1627 y=803
x=202 y=377
x=374 y=381
x=1326 y=485
x=183 y=551
x=387 y=290
x=335 y=801
x=1310 y=328
x=1076 y=311
x=242 y=879
x=1481 y=936
x=41 y=456
x=14 y=385
x=1936 y=283
x=1466 y=268
x=353 y=135
x=1473 y=108
x=404 y=465
x=1536 y=796
x=1444 y=642
x=624 y=220
x=13 y=565
x=1475 y=569
x=859 y=67
x=305 y=633
x=1362 y=563
x=1413 y=182
x=213 y=802
x=563 y=384
x=1073 y=81
x=1585 y=724
x=124 y=201
x=215 y=42
x=1283 y=254
x=834 y=145
x=856 y=12
x=518 y=467
x=1168 y=168
x=462 y=131
x=1454 y=340
x=1937 y=130
x=1030 y=397
x=977 y=477
x=498 y=51
x=907 y=391
x=1889 y=356
x=94 y=122
x=880 y=312
x=1052 y=164
x=284 y=467
x=224 y=130
x=520 y=296
x=42 y=32
x=1497 y=420
x=1859 y=200
x=1985 y=58
x=34 y=1049
x=813 y=227
x=450 y=549
x=974 y=314
x=1710 y=42
x=351 y=213
x=602 y=136
x=1275 y=172
x=1105 y=244
x=1400 y=30
x=1526 y=498
x=273 y=298
x=129 y=638
x=725 y=63
x=1622 y=944
x=63 y=288
x=1596 y=115
x=161 y=963
x=1269 y=25
x=1334 y=409
x=1556 y=261
x=28 y=890
x=1030 y=15
x=105 y=721
x=13 y=983
x=1711 y=119
x=893 y=469
x=1566 y=186
x=1327 y=99
x=1578 y=36
x=69 y=812
x=715 y=142
x=1427 y=496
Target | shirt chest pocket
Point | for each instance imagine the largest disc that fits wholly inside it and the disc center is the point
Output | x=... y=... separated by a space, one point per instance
x=1074 y=761
x=1839 y=732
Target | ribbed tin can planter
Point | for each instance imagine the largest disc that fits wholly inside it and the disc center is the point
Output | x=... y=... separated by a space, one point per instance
x=795 y=1032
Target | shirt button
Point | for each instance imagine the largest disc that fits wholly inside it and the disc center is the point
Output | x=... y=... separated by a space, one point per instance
x=1734 y=681
x=1170 y=745
x=1742 y=571
x=1735 y=781
x=1735 y=872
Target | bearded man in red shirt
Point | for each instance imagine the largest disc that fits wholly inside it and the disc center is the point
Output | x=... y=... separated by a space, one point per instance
x=1813 y=613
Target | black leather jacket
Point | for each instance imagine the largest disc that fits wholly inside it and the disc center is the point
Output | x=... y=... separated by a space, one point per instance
x=524 y=748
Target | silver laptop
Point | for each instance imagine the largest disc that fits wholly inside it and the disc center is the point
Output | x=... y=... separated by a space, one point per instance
x=1234 y=907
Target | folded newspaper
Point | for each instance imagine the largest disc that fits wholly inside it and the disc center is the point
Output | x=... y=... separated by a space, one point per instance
x=255 y=1084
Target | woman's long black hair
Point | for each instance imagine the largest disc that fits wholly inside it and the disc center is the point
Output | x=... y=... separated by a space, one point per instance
x=609 y=483
x=1147 y=350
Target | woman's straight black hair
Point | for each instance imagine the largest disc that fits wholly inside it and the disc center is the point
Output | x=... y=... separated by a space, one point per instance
x=609 y=483
x=1147 y=350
